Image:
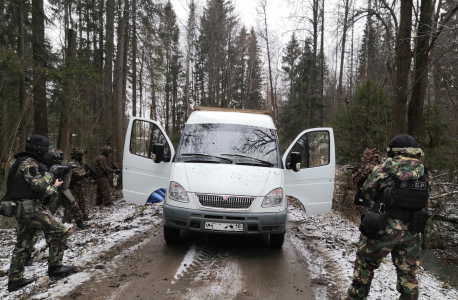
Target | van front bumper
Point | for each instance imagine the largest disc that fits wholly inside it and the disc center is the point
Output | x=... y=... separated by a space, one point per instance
x=253 y=223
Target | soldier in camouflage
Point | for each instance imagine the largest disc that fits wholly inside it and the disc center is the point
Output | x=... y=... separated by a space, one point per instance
x=103 y=168
x=403 y=244
x=30 y=180
x=371 y=158
x=78 y=185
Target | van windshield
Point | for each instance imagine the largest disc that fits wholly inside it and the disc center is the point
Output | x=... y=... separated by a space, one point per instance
x=229 y=143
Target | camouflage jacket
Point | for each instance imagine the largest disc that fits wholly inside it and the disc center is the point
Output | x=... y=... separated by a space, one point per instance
x=40 y=183
x=103 y=166
x=397 y=168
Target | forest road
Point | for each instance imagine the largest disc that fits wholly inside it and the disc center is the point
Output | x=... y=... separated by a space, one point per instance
x=205 y=266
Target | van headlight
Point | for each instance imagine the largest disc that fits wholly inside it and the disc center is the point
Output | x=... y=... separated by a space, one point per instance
x=274 y=198
x=177 y=192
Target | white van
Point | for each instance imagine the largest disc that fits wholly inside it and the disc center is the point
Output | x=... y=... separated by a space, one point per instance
x=227 y=175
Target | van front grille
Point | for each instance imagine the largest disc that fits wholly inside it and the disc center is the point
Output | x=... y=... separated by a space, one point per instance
x=225 y=202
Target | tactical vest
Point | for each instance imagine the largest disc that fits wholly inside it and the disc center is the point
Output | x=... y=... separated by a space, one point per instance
x=413 y=195
x=404 y=197
x=17 y=188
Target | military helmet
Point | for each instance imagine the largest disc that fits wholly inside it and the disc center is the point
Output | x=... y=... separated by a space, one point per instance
x=53 y=157
x=404 y=144
x=106 y=150
x=37 y=144
x=77 y=153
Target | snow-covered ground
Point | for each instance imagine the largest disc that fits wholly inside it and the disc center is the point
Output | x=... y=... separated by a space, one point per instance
x=335 y=240
x=328 y=242
x=88 y=249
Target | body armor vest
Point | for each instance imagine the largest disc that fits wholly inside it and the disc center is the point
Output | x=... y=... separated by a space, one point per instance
x=17 y=187
x=404 y=197
x=412 y=195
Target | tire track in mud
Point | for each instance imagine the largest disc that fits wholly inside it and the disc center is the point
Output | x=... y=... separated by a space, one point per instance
x=207 y=273
x=327 y=277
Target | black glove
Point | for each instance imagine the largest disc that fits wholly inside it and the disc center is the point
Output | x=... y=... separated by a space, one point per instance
x=359 y=198
x=117 y=172
x=81 y=224
x=57 y=172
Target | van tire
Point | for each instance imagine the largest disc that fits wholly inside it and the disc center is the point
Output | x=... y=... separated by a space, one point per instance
x=276 y=240
x=171 y=235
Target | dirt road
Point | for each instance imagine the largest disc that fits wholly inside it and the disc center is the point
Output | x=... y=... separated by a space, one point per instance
x=207 y=266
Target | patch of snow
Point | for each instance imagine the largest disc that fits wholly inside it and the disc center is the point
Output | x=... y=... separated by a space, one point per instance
x=112 y=226
x=187 y=261
x=337 y=238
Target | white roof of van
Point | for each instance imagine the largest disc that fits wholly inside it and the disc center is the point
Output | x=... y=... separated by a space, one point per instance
x=223 y=117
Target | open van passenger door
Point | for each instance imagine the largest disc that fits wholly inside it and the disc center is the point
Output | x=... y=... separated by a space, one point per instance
x=310 y=169
x=141 y=174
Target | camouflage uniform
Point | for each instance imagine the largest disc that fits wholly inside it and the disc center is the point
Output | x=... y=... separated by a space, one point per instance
x=403 y=245
x=55 y=232
x=77 y=185
x=103 y=168
x=371 y=158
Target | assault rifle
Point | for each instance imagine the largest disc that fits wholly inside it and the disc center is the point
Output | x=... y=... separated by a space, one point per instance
x=353 y=168
x=60 y=171
x=115 y=167
x=91 y=171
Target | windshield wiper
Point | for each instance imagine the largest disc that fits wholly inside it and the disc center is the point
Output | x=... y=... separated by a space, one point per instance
x=206 y=155
x=246 y=156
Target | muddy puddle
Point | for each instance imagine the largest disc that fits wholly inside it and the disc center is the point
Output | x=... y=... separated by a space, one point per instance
x=448 y=273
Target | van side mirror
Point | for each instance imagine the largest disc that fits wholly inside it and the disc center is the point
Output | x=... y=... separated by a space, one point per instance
x=158 y=153
x=295 y=161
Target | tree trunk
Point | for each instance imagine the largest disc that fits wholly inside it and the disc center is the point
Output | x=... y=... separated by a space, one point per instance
x=366 y=42
x=107 y=121
x=420 y=80
x=342 y=53
x=322 y=65
x=39 y=73
x=119 y=85
x=190 y=39
x=140 y=83
x=274 y=102
x=64 y=123
x=315 y=9
x=125 y=72
x=22 y=92
x=403 y=59
x=134 y=58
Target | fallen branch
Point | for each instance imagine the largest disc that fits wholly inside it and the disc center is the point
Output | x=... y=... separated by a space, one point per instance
x=444 y=195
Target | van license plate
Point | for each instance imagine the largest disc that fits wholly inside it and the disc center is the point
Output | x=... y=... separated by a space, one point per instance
x=223 y=226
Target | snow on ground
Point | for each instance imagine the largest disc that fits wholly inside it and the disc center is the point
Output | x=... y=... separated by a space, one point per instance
x=111 y=227
x=332 y=238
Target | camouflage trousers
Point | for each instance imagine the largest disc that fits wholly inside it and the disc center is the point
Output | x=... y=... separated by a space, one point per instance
x=404 y=247
x=103 y=192
x=74 y=210
x=79 y=195
x=56 y=237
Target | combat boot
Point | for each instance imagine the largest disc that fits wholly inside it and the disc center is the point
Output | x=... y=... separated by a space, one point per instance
x=61 y=271
x=82 y=225
x=29 y=261
x=14 y=285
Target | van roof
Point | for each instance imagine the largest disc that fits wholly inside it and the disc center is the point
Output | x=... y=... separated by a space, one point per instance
x=223 y=117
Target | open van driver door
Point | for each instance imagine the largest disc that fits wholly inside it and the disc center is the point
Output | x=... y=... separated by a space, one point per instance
x=147 y=163
x=310 y=169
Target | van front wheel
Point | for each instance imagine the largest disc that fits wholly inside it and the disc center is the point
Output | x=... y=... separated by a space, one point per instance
x=171 y=235
x=276 y=240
